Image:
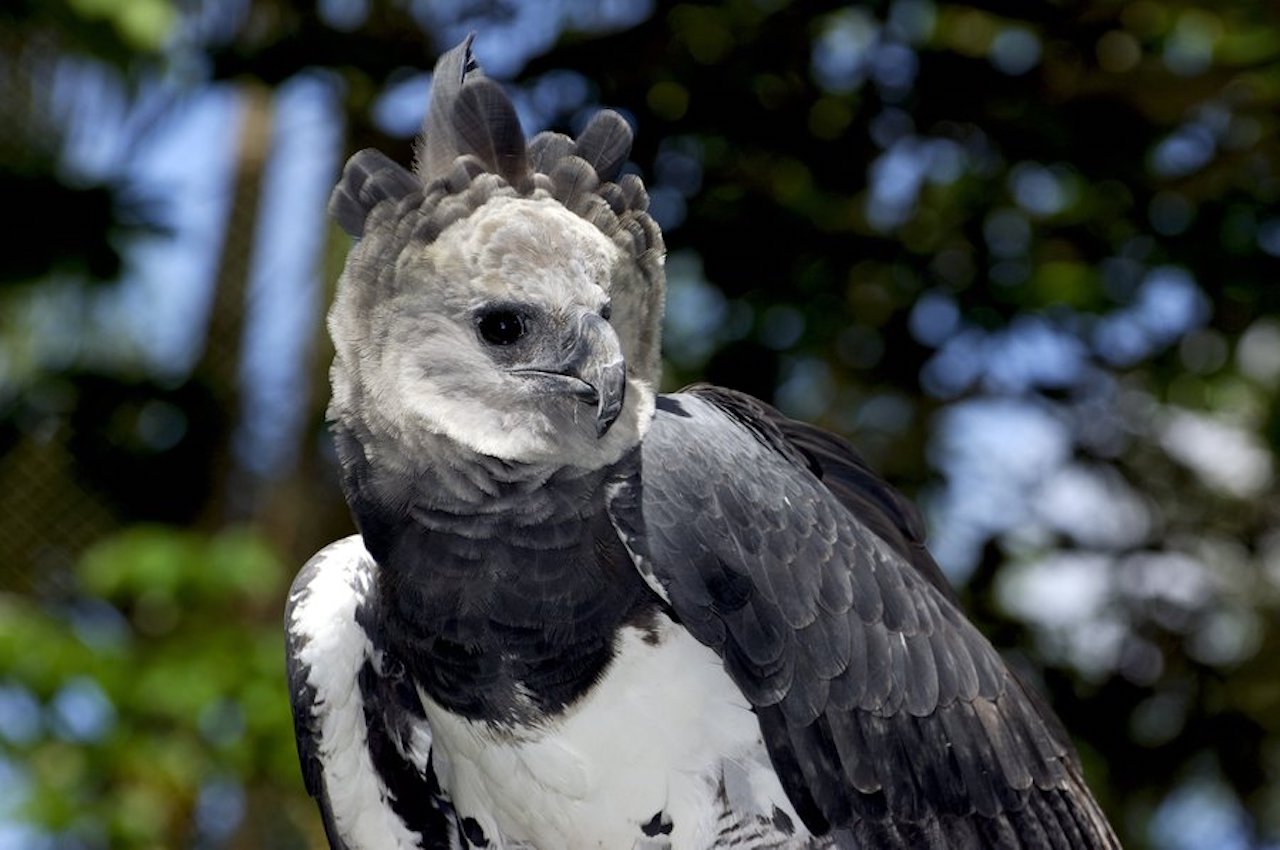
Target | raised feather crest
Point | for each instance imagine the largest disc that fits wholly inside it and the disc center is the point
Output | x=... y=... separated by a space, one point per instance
x=471 y=136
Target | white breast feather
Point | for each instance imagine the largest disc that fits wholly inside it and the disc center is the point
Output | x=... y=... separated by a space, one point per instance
x=659 y=733
x=335 y=650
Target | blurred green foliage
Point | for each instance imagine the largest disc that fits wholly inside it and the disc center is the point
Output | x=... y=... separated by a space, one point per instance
x=161 y=676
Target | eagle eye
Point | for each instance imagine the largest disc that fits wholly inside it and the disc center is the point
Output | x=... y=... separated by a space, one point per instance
x=501 y=327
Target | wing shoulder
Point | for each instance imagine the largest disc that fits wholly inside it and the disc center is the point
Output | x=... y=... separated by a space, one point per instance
x=363 y=739
x=885 y=712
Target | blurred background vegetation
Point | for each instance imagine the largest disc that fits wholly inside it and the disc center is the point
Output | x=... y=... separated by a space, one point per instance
x=1026 y=254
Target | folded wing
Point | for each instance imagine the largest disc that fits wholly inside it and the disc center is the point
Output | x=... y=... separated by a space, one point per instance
x=891 y=721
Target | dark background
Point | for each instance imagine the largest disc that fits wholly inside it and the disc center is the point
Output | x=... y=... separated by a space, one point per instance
x=1024 y=254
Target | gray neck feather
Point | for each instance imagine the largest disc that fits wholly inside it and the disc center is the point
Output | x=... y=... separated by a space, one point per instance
x=503 y=585
x=448 y=488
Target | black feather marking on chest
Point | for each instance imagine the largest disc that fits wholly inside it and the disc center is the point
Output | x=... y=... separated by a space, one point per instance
x=505 y=610
x=416 y=798
x=473 y=834
x=659 y=824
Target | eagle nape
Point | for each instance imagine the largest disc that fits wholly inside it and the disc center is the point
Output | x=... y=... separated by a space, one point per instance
x=686 y=621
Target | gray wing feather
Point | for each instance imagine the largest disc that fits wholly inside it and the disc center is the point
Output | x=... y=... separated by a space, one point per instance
x=885 y=712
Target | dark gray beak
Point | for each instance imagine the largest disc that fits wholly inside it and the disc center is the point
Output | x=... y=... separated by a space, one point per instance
x=597 y=361
x=592 y=369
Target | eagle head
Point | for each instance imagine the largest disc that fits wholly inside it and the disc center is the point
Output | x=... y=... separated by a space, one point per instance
x=505 y=295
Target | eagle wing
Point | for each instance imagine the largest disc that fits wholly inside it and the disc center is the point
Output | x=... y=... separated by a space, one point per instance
x=889 y=719
x=363 y=739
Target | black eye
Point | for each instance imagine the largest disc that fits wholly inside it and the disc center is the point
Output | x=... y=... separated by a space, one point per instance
x=501 y=327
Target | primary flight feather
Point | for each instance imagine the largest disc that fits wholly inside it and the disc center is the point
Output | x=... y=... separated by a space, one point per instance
x=580 y=614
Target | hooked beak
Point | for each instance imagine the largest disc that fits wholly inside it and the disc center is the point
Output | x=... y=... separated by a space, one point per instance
x=593 y=370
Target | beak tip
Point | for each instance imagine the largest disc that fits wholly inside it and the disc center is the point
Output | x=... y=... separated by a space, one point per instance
x=597 y=362
x=613 y=394
x=605 y=417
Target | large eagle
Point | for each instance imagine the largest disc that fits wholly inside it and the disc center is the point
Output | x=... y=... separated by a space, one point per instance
x=580 y=614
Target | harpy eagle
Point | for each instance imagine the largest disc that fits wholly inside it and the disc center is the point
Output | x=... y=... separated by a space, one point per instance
x=579 y=614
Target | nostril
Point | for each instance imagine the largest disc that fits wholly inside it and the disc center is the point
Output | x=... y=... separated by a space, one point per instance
x=606 y=311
